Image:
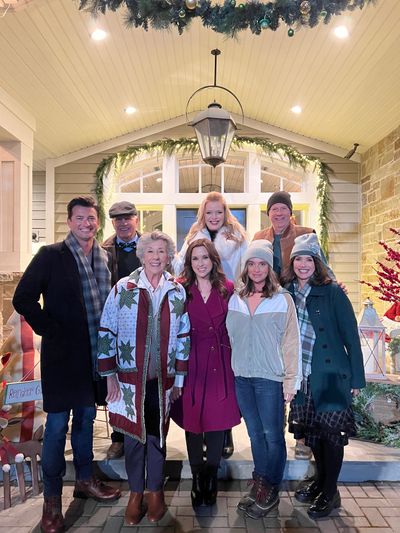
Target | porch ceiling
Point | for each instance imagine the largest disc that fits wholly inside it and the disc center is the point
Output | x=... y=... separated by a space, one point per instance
x=77 y=88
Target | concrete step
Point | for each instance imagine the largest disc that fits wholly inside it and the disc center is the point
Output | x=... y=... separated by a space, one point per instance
x=364 y=461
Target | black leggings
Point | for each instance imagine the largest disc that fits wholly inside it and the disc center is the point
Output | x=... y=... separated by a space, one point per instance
x=329 y=460
x=214 y=441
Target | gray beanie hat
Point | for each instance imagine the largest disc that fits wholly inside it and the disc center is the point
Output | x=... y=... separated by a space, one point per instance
x=280 y=197
x=306 y=244
x=261 y=249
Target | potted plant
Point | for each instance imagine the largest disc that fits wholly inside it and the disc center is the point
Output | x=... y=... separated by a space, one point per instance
x=394 y=350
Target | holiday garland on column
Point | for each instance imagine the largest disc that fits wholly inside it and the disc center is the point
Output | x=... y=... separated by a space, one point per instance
x=229 y=17
x=189 y=146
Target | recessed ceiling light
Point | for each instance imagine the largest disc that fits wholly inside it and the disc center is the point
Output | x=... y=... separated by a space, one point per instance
x=296 y=109
x=158 y=180
x=341 y=32
x=130 y=110
x=98 y=34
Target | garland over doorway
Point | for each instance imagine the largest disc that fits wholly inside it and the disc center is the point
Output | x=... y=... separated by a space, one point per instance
x=228 y=17
x=117 y=162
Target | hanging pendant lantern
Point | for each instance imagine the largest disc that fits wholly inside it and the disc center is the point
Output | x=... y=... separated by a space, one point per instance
x=214 y=127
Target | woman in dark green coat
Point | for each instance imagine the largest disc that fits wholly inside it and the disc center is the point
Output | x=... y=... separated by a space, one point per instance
x=333 y=372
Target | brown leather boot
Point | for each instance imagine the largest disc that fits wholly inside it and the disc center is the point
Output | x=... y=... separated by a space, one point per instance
x=156 y=505
x=96 y=489
x=116 y=450
x=135 y=509
x=52 y=518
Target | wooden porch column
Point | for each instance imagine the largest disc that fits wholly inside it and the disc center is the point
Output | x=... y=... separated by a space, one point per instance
x=16 y=149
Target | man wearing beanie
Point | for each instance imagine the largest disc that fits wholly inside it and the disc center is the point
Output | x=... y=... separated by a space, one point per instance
x=123 y=260
x=282 y=231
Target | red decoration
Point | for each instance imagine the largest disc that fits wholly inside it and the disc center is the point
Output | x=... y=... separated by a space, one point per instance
x=388 y=273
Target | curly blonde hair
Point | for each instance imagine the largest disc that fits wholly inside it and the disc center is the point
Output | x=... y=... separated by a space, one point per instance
x=234 y=230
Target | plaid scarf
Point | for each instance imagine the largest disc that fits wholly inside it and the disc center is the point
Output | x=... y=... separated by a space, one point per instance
x=307 y=333
x=95 y=288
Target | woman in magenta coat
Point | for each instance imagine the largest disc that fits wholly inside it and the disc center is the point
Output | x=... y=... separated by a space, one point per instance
x=208 y=404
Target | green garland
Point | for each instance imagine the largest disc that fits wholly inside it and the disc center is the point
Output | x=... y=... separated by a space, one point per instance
x=229 y=18
x=367 y=428
x=185 y=146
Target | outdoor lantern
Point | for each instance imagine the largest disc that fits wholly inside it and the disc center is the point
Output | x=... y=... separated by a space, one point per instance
x=214 y=127
x=372 y=337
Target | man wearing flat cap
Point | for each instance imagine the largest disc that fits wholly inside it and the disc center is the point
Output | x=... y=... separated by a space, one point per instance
x=123 y=260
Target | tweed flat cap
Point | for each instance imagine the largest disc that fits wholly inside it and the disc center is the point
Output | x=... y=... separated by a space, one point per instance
x=122 y=208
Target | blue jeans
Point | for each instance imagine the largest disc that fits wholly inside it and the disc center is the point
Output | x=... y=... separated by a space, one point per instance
x=53 y=459
x=262 y=405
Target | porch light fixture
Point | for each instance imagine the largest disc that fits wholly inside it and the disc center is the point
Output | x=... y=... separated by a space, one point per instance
x=214 y=127
x=98 y=34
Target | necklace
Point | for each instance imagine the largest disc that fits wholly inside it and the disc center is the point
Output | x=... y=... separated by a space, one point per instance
x=205 y=293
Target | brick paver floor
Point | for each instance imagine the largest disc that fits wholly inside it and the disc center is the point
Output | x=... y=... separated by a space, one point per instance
x=366 y=507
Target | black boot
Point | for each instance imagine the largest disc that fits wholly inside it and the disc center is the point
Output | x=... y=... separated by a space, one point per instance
x=228 y=448
x=323 y=505
x=210 y=485
x=307 y=491
x=197 y=492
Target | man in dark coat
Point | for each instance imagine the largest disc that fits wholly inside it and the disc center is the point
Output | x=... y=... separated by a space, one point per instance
x=73 y=279
x=123 y=260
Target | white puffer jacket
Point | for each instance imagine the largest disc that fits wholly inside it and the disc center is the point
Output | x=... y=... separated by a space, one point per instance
x=231 y=253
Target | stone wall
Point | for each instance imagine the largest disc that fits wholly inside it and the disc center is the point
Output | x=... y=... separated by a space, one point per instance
x=380 y=197
x=8 y=282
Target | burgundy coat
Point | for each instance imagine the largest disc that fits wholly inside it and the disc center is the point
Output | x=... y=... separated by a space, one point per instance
x=208 y=401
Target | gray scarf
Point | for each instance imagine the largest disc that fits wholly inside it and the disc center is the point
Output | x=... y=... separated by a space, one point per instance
x=96 y=284
x=307 y=333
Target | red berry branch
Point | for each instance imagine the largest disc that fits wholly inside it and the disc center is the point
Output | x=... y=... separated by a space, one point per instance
x=388 y=284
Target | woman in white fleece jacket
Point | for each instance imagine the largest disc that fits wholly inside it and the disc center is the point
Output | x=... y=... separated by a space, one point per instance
x=266 y=360
x=216 y=223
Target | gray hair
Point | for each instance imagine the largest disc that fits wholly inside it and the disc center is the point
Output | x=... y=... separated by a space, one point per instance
x=148 y=238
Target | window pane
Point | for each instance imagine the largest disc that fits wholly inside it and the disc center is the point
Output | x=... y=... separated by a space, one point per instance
x=234 y=175
x=189 y=174
x=210 y=178
x=152 y=182
x=278 y=177
x=149 y=172
x=130 y=183
x=150 y=220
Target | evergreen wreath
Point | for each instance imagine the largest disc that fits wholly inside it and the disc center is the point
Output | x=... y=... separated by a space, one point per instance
x=189 y=146
x=228 y=18
x=367 y=427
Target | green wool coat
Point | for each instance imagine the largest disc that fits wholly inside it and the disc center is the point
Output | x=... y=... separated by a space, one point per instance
x=337 y=362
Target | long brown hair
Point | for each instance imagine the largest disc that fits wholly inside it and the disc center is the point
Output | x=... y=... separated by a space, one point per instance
x=320 y=276
x=271 y=285
x=234 y=230
x=217 y=276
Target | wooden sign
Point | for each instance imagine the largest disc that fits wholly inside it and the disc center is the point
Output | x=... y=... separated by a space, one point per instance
x=23 y=391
